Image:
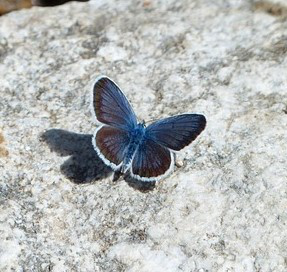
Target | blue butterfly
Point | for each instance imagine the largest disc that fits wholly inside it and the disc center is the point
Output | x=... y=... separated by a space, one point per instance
x=146 y=153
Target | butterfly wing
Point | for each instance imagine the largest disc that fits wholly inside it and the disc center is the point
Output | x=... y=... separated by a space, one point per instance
x=176 y=132
x=151 y=161
x=110 y=105
x=111 y=144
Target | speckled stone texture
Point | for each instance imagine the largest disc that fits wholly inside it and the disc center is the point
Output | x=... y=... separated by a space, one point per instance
x=224 y=209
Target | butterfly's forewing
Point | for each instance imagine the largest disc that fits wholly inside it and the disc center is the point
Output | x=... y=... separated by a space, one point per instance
x=151 y=161
x=110 y=105
x=176 y=132
x=111 y=144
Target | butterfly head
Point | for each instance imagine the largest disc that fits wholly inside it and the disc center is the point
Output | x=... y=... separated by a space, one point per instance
x=141 y=127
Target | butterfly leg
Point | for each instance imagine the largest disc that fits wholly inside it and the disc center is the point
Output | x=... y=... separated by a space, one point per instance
x=125 y=166
x=117 y=175
x=121 y=172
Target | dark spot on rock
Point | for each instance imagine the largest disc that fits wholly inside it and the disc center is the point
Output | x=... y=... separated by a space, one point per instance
x=138 y=235
x=91 y=47
x=242 y=54
x=3 y=151
x=1 y=138
x=173 y=44
x=274 y=9
x=277 y=48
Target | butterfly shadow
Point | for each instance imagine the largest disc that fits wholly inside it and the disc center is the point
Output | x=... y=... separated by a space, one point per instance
x=84 y=165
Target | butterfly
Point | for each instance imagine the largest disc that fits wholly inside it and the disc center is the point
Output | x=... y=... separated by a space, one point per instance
x=146 y=153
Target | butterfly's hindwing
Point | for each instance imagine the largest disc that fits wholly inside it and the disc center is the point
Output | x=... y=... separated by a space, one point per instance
x=111 y=145
x=178 y=131
x=110 y=105
x=151 y=161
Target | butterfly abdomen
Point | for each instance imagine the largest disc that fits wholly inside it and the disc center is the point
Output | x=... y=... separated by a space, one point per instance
x=136 y=137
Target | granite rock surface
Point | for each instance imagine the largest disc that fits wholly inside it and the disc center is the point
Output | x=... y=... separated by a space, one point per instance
x=223 y=209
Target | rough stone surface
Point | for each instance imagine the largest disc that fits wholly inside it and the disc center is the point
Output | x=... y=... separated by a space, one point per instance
x=224 y=209
x=10 y=5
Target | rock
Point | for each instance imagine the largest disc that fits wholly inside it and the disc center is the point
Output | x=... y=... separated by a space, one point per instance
x=3 y=151
x=51 y=3
x=9 y=5
x=224 y=209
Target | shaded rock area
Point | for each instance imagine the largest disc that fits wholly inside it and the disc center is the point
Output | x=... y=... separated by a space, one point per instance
x=224 y=209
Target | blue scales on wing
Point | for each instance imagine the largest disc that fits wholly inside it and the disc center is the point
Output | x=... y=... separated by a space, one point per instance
x=151 y=161
x=110 y=105
x=176 y=132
